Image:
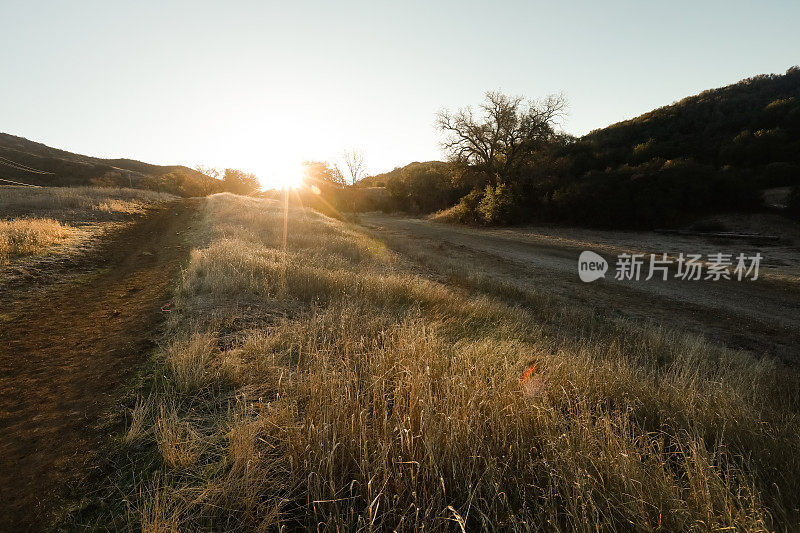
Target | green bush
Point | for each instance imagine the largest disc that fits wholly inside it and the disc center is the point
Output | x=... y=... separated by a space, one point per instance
x=497 y=205
x=465 y=211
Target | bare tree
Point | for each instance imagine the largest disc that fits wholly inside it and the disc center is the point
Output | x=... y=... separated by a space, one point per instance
x=502 y=134
x=354 y=159
x=211 y=172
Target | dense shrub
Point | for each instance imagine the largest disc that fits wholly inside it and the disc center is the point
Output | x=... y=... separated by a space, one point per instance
x=183 y=184
x=498 y=204
x=417 y=188
x=465 y=211
x=780 y=174
x=239 y=182
x=652 y=194
x=793 y=203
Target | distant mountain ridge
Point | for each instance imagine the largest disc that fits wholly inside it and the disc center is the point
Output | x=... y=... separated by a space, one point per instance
x=55 y=167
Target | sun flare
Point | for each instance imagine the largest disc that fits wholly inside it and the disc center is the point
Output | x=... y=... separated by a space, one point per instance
x=289 y=176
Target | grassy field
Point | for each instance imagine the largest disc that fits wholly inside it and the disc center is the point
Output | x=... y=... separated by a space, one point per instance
x=69 y=203
x=32 y=220
x=340 y=386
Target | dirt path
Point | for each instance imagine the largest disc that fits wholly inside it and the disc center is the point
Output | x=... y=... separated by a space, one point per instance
x=758 y=316
x=64 y=354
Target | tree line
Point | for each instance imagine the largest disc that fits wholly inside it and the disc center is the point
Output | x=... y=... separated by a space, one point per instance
x=203 y=181
x=508 y=161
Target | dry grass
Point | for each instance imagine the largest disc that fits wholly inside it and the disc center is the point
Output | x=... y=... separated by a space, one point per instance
x=176 y=438
x=24 y=236
x=335 y=387
x=187 y=361
x=159 y=514
x=32 y=220
x=138 y=417
x=67 y=202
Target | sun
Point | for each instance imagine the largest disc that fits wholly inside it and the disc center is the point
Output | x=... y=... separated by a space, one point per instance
x=287 y=176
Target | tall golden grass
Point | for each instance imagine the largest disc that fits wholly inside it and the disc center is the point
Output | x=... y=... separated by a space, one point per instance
x=27 y=236
x=336 y=386
x=54 y=199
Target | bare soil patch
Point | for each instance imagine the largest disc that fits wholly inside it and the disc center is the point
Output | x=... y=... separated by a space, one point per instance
x=67 y=347
x=761 y=316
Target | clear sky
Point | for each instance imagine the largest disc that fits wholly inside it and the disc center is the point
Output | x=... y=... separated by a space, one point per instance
x=264 y=85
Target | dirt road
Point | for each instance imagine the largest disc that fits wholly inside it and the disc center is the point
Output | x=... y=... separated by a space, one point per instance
x=762 y=316
x=66 y=350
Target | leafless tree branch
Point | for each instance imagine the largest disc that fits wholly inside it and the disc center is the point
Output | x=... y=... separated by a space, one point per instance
x=505 y=130
x=354 y=160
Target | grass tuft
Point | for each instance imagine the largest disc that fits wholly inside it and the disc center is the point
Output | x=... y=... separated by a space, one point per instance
x=29 y=236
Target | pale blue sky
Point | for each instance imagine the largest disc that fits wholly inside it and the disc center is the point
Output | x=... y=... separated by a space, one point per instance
x=263 y=85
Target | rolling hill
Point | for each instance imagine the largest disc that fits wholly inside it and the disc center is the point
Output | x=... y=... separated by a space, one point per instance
x=25 y=161
x=752 y=124
x=710 y=152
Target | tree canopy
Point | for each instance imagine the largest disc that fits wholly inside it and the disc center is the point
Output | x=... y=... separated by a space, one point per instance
x=240 y=182
x=502 y=134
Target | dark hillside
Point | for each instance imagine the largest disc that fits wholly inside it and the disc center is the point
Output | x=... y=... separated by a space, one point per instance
x=712 y=152
x=34 y=163
x=753 y=124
